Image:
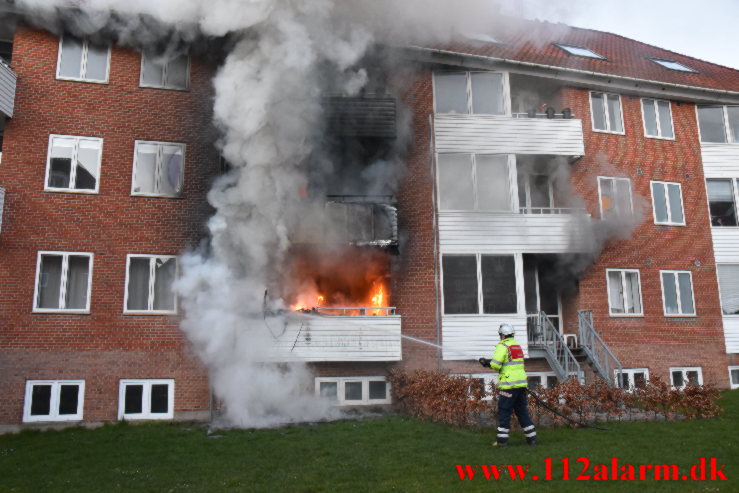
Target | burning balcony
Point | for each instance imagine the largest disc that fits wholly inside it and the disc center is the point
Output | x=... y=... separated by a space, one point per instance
x=364 y=219
x=368 y=116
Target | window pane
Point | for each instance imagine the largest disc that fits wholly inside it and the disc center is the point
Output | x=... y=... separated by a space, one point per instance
x=665 y=119
x=455 y=182
x=534 y=382
x=71 y=59
x=599 y=113
x=353 y=391
x=78 y=273
x=378 y=390
x=721 y=203
x=614 y=113
x=711 y=123
x=498 y=284
x=159 y=398
x=735 y=376
x=460 y=284
x=60 y=166
x=607 y=196
x=68 y=399
x=451 y=93
x=88 y=163
x=138 y=284
x=650 y=118
x=177 y=72
x=728 y=283
x=539 y=187
x=146 y=168
x=677 y=378
x=493 y=187
x=623 y=380
x=615 y=292
x=676 y=206
x=551 y=381
x=171 y=171
x=733 y=114
x=50 y=281
x=329 y=389
x=487 y=93
x=97 y=63
x=623 y=197
x=686 y=293
x=134 y=396
x=670 y=292
x=153 y=71
x=640 y=379
x=164 y=275
x=41 y=400
x=660 y=202
x=633 y=297
x=692 y=377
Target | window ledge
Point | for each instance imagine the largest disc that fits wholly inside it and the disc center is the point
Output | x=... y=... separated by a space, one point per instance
x=153 y=196
x=681 y=315
x=682 y=225
x=85 y=81
x=609 y=132
x=43 y=311
x=672 y=139
x=626 y=315
x=150 y=313
x=178 y=89
x=72 y=190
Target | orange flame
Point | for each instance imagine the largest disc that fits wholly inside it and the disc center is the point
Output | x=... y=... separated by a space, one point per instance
x=378 y=297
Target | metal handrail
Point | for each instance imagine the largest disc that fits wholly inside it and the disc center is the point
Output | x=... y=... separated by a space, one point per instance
x=604 y=361
x=551 y=210
x=543 y=334
x=360 y=310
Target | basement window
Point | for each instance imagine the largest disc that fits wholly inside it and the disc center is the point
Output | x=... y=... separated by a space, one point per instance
x=63 y=282
x=158 y=169
x=677 y=293
x=728 y=285
x=149 y=280
x=673 y=65
x=470 y=93
x=684 y=376
x=719 y=124
x=667 y=203
x=624 y=292
x=579 y=51
x=615 y=197
x=632 y=378
x=734 y=377
x=474 y=182
x=73 y=164
x=82 y=61
x=605 y=112
x=495 y=294
x=165 y=73
x=146 y=399
x=541 y=380
x=657 y=117
x=354 y=391
x=722 y=201
x=54 y=400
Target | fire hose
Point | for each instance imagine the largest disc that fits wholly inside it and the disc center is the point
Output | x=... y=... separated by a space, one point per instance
x=578 y=423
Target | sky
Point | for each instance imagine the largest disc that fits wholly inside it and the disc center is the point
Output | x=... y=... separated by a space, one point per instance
x=705 y=29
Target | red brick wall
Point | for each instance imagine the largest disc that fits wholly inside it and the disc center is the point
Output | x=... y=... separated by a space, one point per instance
x=104 y=345
x=652 y=341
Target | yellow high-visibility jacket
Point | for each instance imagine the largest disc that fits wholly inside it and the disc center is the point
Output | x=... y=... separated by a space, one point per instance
x=508 y=360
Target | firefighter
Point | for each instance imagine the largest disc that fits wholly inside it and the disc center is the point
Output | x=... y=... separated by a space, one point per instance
x=512 y=386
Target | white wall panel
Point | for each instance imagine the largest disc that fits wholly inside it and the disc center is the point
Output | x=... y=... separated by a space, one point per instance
x=466 y=337
x=720 y=160
x=726 y=244
x=731 y=334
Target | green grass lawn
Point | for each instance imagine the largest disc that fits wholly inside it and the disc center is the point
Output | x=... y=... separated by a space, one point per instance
x=384 y=454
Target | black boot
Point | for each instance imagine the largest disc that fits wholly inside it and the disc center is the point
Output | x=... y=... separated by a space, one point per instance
x=531 y=441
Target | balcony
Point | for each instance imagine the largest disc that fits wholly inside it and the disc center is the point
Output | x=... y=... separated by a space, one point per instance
x=8 y=81
x=368 y=116
x=518 y=134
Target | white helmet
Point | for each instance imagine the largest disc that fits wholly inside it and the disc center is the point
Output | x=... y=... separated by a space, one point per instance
x=506 y=330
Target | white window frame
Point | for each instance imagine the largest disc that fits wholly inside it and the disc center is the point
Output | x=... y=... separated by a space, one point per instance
x=506 y=93
x=567 y=49
x=606 y=113
x=734 y=181
x=542 y=377
x=733 y=385
x=512 y=185
x=727 y=126
x=83 y=68
x=600 y=195
x=54 y=401
x=655 y=107
x=677 y=288
x=623 y=285
x=152 y=279
x=685 y=370
x=669 y=221
x=63 y=282
x=159 y=167
x=340 y=390
x=164 y=76
x=73 y=168
x=518 y=270
x=630 y=372
x=145 y=399
x=720 y=298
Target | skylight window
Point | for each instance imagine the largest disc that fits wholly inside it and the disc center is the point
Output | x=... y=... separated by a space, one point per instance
x=672 y=65
x=485 y=38
x=580 y=51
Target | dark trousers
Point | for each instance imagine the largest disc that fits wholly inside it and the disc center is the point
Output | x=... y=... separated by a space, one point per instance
x=509 y=401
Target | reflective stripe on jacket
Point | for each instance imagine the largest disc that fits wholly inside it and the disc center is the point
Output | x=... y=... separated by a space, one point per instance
x=508 y=360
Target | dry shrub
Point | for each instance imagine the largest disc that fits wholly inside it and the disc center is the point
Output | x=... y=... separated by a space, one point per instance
x=461 y=401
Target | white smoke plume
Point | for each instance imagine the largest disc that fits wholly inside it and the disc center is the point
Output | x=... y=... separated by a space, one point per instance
x=268 y=109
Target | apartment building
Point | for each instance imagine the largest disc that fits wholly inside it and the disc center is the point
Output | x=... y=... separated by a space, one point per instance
x=578 y=185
